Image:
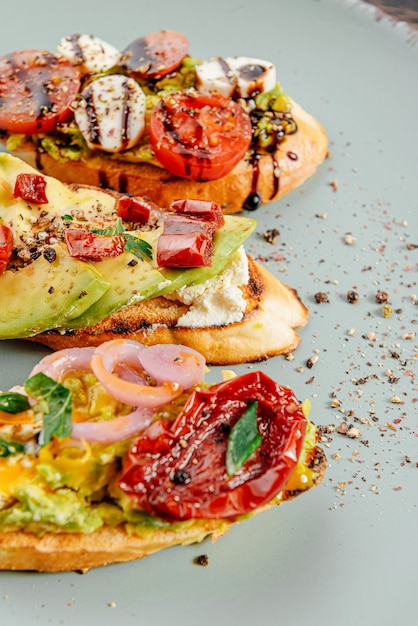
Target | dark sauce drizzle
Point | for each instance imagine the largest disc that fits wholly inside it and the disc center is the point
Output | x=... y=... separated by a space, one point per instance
x=93 y=125
x=181 y=142
x=41 y=89
x=78 y=52
x=283 y=125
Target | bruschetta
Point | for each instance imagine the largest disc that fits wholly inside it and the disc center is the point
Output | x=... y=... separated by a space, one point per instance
x=80 y=265
x=109 y=454
x=151 y=120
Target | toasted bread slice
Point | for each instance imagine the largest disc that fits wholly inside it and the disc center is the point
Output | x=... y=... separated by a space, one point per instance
x=267 y=329
x=64 y=551
x=297 y=158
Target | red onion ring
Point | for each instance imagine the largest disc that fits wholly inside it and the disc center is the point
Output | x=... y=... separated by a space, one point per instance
x=118 y=366
x=113 y=430
x=56 y=364
x=104 y=362
x=173 y=362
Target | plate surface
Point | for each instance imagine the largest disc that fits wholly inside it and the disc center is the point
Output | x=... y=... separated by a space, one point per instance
x=346 y=552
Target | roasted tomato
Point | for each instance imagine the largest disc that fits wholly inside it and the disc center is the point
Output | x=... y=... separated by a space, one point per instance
x=36 y=91
x=155 y=54
x=199 y=137
x=87 y=246
x=182 y=469
x=6 y=247
x=31 y=187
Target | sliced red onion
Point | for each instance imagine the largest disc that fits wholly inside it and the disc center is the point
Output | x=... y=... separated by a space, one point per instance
x=118 y=352
x=56 y=364
x=172 y=362
x=110 y=431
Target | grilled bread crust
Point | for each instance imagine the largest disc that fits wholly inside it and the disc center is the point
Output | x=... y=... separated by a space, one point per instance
x=267 y=329
x=297 y=159
x=65 y=551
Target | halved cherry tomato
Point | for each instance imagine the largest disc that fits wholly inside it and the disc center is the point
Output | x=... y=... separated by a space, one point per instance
x=177 y=470
x=31 y=187
x=87 y=246
x=155 y=54
x=6 y=247
x=36 y=91
x=199 y=137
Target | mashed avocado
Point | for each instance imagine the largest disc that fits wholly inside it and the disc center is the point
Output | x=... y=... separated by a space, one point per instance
x=75 y=490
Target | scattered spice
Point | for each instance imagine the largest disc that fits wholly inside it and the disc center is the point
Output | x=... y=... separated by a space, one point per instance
x=352 y=297
x=271 y=234
x=321 y=297
x=349 y=239
x=202 y=559
x=382 y=296
x=311 y=361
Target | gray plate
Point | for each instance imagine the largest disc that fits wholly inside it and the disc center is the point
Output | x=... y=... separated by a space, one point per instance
x=346 y=552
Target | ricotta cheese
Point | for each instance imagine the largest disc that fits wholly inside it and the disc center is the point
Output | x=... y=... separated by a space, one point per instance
x=218 y=301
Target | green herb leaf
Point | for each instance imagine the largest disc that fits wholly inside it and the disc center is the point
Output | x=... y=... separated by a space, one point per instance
x=244 y=439
x=12 y=402
x=54 y=401
x=117 y=230
x=67 y=218
x=138 y=247
x=7 y=448
x=134 y=245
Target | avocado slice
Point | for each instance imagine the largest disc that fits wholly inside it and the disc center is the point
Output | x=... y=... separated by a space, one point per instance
x=129 y=284
x=46 y=295
x=110 y=284
x=143 y=281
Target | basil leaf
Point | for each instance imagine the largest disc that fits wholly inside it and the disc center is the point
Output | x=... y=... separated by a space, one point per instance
x=12 y=402
x=7 y=448
x=243 y=440
x=55 y=404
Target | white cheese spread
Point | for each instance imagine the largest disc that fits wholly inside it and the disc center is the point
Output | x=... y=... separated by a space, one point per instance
x=218 y=301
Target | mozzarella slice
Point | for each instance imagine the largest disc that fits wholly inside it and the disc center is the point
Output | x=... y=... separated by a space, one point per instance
x=94 y=54
x=241 y=77
x=111 y=113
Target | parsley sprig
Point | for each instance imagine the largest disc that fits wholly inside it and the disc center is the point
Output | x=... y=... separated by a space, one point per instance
x=138 y=247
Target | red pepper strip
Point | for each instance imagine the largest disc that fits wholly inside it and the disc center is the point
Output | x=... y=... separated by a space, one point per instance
x=205 y=210
x=91 y=247
x=175 y=224
x=6 y=247
x=31 y=187
x=193 y=249
x=133 y=209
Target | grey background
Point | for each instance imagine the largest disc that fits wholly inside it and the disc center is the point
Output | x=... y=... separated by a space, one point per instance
x=346 y=552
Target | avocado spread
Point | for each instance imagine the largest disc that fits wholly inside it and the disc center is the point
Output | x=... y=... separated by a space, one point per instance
x=72 y=486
